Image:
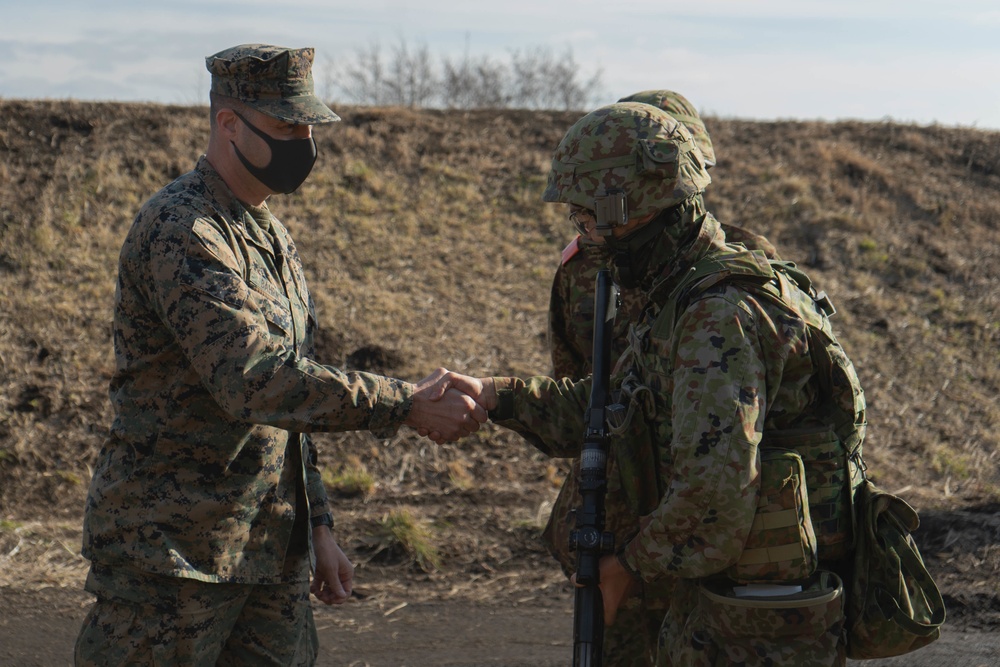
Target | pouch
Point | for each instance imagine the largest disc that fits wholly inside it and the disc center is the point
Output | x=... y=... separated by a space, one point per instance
x=894 y=606
x=829 y=480
x=782 y=544
x=802 y=629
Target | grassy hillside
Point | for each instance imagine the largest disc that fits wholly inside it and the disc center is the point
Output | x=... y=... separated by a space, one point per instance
x=426 y=244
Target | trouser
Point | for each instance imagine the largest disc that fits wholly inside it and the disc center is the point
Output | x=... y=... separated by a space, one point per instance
x=146 y=619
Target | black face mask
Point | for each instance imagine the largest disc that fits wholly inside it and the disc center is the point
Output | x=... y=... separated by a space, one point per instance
x=291 y=161
x=632 y=254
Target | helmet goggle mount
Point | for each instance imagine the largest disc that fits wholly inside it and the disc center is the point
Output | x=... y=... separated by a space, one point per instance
x=610 y=210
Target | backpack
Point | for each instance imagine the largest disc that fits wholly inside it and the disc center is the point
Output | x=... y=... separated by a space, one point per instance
x=831 y=454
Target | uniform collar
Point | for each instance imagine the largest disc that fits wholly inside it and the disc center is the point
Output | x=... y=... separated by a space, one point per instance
x=233 y=209
x=709 y=236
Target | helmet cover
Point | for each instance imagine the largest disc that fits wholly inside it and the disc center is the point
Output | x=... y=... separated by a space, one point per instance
x=631 y=146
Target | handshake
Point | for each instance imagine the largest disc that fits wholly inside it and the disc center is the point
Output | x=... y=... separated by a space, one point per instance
x=448 y=406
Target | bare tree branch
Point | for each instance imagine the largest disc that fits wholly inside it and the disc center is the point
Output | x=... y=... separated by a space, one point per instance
x=532 y=79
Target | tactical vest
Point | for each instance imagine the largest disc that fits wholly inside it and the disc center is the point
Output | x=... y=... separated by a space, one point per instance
x=805 y=511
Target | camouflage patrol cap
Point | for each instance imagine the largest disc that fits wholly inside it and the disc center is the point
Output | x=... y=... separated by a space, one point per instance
x=638 y=148
x=681 y=109
x=274 y=80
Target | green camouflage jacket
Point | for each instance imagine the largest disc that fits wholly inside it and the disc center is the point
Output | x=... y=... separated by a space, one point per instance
x=570 y=334
x=206 y=465
x=683 y=475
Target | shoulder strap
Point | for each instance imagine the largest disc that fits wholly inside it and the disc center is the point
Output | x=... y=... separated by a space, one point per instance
x=750 y=266
x=754 y=272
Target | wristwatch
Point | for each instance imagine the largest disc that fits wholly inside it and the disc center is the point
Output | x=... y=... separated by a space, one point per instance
x=325 y=519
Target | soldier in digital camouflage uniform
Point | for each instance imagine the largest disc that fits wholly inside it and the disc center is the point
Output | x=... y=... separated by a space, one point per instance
x=631 y=642
x=735 y=361
x=207 y=516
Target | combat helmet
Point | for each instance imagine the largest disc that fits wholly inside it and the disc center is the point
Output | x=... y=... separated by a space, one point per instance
x=682 y=110
x=627 y=146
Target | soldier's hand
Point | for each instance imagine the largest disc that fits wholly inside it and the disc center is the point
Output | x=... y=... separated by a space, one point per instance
x=617 y=584
x=488 y=393
x=334 y=578
x=441 y=380
x=443 y=408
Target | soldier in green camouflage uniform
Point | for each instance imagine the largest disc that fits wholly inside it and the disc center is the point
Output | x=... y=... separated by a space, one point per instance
x=571 y=303
x=207 y=517
x=631 y=642
x=705 y=384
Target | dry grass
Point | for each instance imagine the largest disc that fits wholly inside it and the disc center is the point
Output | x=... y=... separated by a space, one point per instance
x=36 y=554
x=426 y=244
x=399 y=534
x=351 y=480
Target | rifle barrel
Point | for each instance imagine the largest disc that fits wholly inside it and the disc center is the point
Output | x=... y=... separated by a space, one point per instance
x=589 y=538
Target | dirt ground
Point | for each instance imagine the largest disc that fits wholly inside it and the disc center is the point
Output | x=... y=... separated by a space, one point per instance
x=38 y=629
x=517 y=611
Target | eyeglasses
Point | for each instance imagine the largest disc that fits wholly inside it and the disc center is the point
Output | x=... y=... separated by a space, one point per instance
x=580 y=217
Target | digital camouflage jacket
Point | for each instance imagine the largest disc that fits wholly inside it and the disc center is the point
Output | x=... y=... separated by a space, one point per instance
x=206 y=466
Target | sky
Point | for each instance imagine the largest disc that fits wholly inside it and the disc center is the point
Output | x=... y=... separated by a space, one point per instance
x=908 y=61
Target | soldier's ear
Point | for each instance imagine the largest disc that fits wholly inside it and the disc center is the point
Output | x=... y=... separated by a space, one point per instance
x=225 y=120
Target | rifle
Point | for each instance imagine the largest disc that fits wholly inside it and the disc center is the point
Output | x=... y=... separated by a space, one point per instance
x=589 y=538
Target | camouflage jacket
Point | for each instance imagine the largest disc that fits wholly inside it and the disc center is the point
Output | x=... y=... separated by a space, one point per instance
x=571 y=322
x=206 y=464
x=683 y=476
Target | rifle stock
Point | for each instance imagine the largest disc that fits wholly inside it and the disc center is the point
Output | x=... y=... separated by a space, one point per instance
x=589 y=538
